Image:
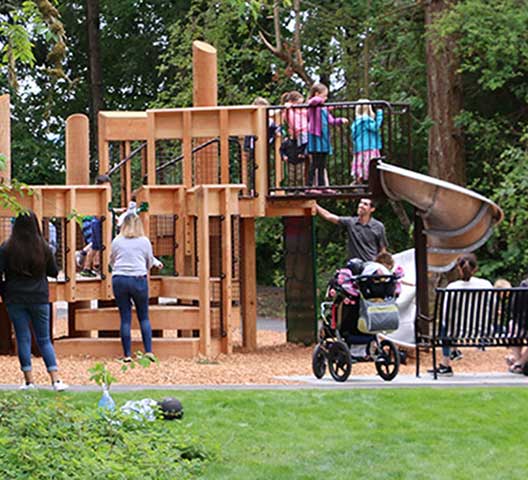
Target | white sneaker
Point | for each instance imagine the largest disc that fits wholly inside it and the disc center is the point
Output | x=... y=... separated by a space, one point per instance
x=60 y=386
x=79 y=259
x=28 y=386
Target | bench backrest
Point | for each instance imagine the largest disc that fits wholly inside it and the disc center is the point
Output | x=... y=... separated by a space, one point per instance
x=487 y=314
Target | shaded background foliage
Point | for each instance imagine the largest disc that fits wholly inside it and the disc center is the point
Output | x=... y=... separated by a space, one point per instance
x=361 y=48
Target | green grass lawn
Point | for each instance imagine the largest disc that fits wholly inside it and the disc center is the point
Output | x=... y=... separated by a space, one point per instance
x=364 y=434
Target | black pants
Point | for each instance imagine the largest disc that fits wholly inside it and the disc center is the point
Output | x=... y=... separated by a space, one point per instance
x=318 y=163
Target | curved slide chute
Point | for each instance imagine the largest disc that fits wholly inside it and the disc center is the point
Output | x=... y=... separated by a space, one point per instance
x=456 y=219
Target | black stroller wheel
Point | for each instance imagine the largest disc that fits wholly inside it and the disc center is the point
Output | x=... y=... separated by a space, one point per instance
x=319 y=361
x=339 y=361
x=387 y=361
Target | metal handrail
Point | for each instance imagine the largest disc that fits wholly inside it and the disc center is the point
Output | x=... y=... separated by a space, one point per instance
x=126 y=159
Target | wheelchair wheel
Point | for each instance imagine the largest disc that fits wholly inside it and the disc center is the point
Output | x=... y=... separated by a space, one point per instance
x=319 y=361
x=388 y=360
x=339 y=361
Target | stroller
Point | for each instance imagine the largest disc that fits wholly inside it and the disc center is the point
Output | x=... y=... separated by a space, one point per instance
x=357 y=308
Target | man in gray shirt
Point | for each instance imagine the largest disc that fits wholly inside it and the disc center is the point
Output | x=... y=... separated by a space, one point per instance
x=366 y=235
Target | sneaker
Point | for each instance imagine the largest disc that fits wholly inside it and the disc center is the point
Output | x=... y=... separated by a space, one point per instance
x=60 y=386
x=79 y=258
x=456 y=355
x=150 y=356
x=88 y=273
x=126 y=360
x=28 y=386
x=442 y=371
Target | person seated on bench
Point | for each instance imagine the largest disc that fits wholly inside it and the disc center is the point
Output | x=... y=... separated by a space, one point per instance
x=466 y=267
x=519 y=357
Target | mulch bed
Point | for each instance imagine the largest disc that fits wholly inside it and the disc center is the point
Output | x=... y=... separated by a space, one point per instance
x=273 y=358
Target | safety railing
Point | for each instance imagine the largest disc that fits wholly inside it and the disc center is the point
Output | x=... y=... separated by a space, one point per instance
x=326 y=149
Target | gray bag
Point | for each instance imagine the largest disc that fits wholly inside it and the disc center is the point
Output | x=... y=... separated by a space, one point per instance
x=378 y=316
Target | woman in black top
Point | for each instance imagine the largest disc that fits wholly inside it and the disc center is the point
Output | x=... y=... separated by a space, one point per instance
x=26 y=261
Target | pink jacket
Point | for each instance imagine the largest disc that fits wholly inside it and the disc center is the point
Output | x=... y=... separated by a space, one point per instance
x=296 y=119
x=314 y=116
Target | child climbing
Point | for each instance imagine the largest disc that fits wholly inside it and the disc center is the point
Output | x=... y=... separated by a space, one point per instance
x=366 y=138
x=293 y=147
x=319 y=145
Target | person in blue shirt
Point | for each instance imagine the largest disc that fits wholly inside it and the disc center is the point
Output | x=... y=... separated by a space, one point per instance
x=366 y=137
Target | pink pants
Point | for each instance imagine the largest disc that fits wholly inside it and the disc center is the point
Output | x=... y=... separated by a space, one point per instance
x=361 y=162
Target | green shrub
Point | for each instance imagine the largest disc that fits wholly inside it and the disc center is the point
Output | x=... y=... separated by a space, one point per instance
x=43 y=438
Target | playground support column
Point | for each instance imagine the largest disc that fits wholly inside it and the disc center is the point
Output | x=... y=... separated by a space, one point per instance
x=226 y=274
x=77 y=173
x=77 y=150
x=204 y=271
x=261 y=163
x=422 y=286
x=5 y=135
x=205 y=77
x=300 y=282
x=7 y=346
x=248 y=283
x=205 y=94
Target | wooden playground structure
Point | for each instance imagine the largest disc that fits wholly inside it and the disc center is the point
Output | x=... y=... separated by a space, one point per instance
x=201 y=191
x=205 y=223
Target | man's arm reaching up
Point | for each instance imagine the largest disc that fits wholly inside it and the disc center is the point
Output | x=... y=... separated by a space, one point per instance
x=328 y=216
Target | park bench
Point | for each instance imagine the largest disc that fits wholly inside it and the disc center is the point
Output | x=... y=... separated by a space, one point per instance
x=479 y=318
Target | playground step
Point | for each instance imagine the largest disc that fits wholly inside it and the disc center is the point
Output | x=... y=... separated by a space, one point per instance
x=184 y=288
x=162 y=317
x=111 y=347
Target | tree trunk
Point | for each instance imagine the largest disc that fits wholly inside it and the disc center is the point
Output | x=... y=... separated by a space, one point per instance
x=446 y=143
x=95 y=72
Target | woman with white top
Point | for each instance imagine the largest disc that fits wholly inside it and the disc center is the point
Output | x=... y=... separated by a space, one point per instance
x=131 y=259
x=466 y=267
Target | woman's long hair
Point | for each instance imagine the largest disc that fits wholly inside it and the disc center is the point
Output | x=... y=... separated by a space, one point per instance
x=132 y=227
x=26 y=250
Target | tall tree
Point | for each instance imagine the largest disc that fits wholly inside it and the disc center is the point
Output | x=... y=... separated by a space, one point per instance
x=95 y=69
x=444 y=99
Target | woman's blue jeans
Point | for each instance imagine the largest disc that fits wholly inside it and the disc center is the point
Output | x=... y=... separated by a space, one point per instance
x=37 y=315
x=127 y=290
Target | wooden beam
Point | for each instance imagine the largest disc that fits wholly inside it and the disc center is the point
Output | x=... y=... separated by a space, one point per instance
x=78 y=150
x=151 y=149
x=261 y=160
x=205 y=77
x=248 y=280
x=5 y=135
x=187 y=150
x=224 y=146
x=204 y=272
x=71 y=245
x=227 y=280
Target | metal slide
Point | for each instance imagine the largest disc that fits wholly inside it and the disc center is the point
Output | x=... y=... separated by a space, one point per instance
x=456 y=219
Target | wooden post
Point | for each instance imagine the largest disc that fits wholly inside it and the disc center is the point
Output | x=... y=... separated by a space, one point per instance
x=205 y=77
x=420 y=259
x=77 y=150
x=151 y=149
x=77 y=173
x=204 y=271
x=7 y=346
x=248 y=283
x=5 y=135
x=126 y=175
x=105 y=291
x=227 y=275
x=205 y=94
x=261 y=161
